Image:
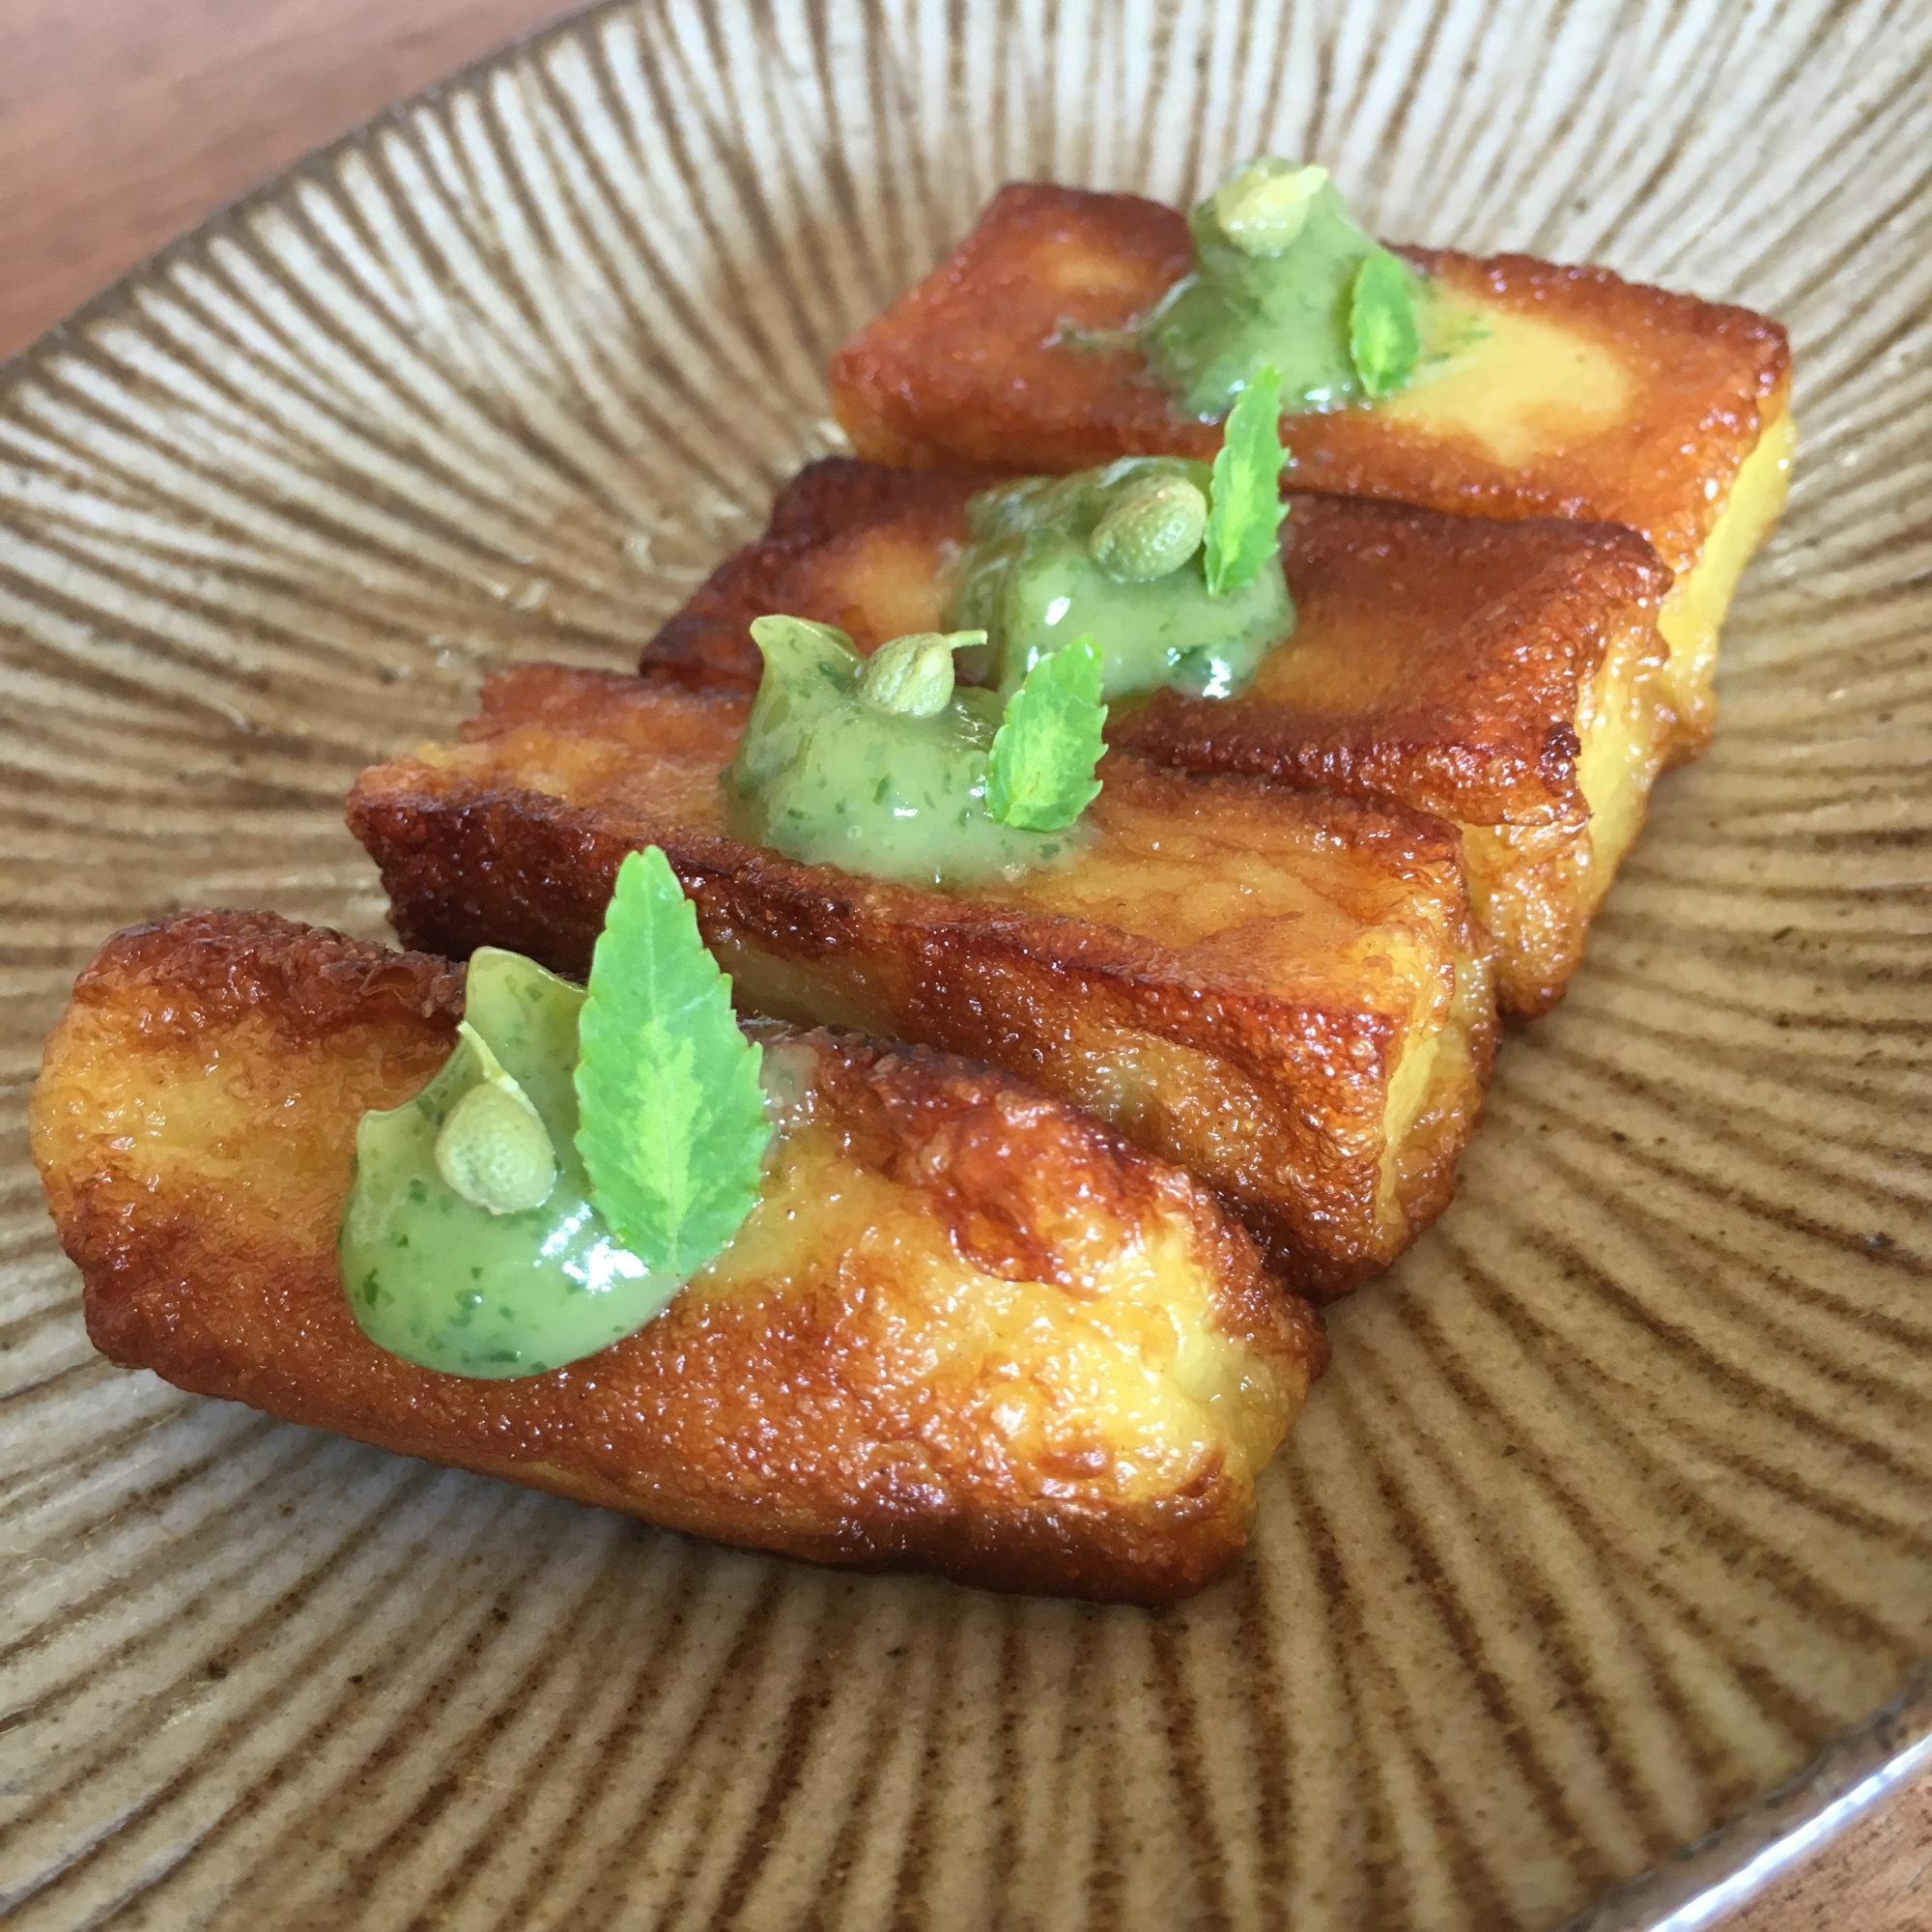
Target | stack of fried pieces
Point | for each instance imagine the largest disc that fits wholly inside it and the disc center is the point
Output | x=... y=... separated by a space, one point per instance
x=1044 y=1309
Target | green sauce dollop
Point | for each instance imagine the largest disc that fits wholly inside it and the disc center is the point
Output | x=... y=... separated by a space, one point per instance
x=1115 y=551
x=1279 y=279
x=441 y=1277
x=876 y=766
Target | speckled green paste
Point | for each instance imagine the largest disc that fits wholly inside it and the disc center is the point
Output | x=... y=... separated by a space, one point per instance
x=1278 y=279
x=837 y=768
x=443 y=1279
x=1115 y=552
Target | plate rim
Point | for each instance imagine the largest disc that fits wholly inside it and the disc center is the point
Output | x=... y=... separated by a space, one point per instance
x=1777 y=1833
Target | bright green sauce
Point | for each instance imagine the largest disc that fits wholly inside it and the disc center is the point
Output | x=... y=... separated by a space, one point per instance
x=442 y=1281
x=1277 y=260
x=831 y=777
x=1031 y=579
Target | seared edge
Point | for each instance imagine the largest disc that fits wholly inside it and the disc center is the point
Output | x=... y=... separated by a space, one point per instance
x=490 y=854
x=229 y=1287
x=960 y=369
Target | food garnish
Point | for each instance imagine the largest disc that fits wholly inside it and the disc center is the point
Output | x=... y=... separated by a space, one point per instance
x=1153 y=527
x=493 y=1148
x=1041 y=773
x=885 y=765
x=1243 y=534
x=673 y=1125
x=573 y=1164
x=1382 y=339
x=1175 y=564
x=1285 y=277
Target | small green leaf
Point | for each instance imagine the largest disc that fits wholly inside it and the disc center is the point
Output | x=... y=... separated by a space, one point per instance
x=1246 y=488
x=672 y=1118
x=1382 y=340
x=1039 y=775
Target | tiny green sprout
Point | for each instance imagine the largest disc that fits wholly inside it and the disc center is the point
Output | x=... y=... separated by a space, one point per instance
x=1151 y=530
x=913 y=675
x=1040 y=774
x=493 y=1148
x=1243 y=526
x=1382 y=339
x=1263 y=204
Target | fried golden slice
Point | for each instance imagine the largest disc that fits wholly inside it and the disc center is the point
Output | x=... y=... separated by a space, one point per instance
x=1502 y=674
x=1283 y=992
x=859 y=545
x=966 y=1328
x=1585 y=396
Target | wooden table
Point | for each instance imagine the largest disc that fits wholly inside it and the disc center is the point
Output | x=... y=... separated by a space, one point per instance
x=122 y=122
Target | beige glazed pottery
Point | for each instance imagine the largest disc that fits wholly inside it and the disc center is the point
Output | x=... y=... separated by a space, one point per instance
x=1615 y=1511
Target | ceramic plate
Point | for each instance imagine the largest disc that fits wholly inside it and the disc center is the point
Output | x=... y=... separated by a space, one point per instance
x=1616 y=1509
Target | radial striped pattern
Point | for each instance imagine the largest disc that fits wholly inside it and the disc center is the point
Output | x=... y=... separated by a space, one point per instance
x=1617 y=1505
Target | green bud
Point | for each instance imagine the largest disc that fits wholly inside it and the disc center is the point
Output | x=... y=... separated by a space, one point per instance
x=1154 y=528
x=913 y=675
x=1263 y=205
x=493 y=1148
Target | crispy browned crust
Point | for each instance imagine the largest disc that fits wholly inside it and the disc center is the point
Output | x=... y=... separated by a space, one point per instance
x=854 y=544
x=768 y=1417
x=1450 y=663
x=967 y=368
x=1275 y=1037
x=1436 y=659
x=1441 y=662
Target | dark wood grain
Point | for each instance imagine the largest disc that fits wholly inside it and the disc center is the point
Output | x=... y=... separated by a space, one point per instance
x=1877 y=1878
x=123 y=122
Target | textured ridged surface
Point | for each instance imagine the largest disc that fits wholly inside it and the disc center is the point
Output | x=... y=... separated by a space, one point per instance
x=1614 y=1508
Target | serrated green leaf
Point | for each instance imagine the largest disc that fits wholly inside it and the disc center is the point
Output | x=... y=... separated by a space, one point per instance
x=1039 y=775
x=1382 y=339
x=672 y=1118
x=1245 y=494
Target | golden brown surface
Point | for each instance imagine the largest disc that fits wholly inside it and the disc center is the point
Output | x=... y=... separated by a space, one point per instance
x=1440 y=660
x=965 y=368
x=1455 y=664
x=1283 y=992
x=1034 y=1359
x=855 y=544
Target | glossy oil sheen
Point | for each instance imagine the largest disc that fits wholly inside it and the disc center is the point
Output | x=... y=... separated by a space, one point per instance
x=1610 y=1516
x=1237 y=311
x=1028 y=580
x=827 y=777
x=438 y=1280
